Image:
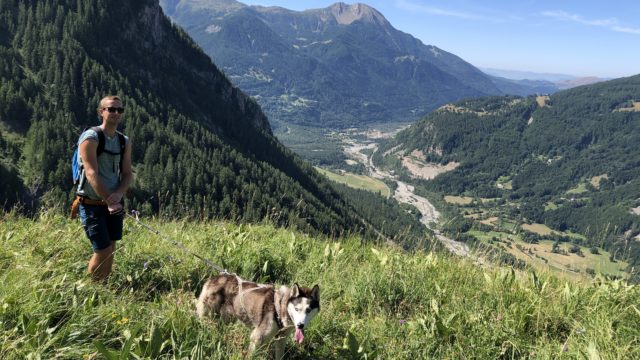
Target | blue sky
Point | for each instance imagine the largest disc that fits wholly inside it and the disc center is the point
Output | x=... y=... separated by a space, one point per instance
x=574 y=37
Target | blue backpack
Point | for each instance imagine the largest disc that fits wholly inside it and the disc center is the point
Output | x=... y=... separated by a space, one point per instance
x=77 y=170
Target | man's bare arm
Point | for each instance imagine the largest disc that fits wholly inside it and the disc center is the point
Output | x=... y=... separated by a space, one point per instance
x=88 y=153
x=126 y=176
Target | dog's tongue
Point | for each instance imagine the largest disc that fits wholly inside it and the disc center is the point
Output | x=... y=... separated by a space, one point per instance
x=299 y=336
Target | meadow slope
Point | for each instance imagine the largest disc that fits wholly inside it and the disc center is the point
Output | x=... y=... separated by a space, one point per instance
x=376 y=301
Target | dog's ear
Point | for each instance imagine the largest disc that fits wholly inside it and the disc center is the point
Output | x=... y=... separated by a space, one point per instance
x=295 y=291
x=315 y=292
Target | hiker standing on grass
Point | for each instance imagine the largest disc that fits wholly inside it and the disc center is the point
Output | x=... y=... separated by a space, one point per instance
x=106 y=178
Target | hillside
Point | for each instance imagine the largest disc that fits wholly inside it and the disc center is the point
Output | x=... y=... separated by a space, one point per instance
x=341 y=66
x=568 y=161
x=202 y=148
x=375 y=301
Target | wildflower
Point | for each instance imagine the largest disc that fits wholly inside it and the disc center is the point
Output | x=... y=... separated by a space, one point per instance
x=146 y=265
x=122 y=321
x=402 y=321
x=581 y=331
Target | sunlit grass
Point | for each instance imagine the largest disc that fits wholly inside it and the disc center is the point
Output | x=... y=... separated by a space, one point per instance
x=375 y=300
x=458 y=200
x=357 y=181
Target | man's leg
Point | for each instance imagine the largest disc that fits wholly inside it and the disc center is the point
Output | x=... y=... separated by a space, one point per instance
x=101 y=262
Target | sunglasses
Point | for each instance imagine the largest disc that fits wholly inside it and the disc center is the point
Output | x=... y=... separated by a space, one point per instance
x=114 y=109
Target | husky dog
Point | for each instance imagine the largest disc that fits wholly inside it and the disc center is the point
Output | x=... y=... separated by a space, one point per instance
x=267 y=310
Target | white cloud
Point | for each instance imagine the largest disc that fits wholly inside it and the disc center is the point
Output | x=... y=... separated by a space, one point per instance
x=626 y=29
x=611 y=23
x=431 y=10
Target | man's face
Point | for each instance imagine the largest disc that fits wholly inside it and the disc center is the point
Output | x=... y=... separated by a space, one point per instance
x=111 y=110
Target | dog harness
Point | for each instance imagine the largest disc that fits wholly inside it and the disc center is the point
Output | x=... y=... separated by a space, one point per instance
x=242 y=292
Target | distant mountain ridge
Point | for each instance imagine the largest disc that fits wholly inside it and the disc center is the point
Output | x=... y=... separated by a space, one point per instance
x=524 y=87
x=343 y=65
x=548 y=81
x=529 y=75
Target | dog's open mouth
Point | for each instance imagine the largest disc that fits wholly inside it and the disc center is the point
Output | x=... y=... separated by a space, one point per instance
x=299 y=336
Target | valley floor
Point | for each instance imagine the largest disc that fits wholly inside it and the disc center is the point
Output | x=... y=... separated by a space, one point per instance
x=404 y=192
x=360 y=147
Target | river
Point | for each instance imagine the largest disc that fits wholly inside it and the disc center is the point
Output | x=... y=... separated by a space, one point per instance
x=405 y=193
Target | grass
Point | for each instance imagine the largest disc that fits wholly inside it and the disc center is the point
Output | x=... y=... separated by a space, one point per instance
x=571 y=264
x=357 y=181
x=599 y=263
x=505 y=182
x=595 y=181
x=377 y=301
x=458 y=200
x=580 y=189
x=312 y=143
x=540 y=229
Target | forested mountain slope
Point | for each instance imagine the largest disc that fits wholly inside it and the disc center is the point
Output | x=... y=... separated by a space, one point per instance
x=202 y=148
x=340 y=66
x=570 y=161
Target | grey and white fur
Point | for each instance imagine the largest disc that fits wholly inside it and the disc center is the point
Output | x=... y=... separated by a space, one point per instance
x=269 y=311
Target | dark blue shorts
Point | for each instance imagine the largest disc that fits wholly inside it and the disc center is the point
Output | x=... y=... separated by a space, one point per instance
x=101 y=227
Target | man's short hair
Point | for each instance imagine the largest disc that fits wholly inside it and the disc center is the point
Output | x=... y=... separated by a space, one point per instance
x=108 y=97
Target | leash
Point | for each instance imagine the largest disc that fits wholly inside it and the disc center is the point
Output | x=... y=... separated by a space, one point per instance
x=135 y=217
x=241 y=292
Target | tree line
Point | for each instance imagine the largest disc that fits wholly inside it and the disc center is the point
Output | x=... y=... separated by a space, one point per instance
x=202 y=149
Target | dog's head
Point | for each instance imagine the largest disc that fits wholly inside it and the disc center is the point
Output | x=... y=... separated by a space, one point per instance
x=302 y=306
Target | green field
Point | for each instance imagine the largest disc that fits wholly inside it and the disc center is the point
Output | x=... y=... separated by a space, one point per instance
x=313 y=144
x=377 y=302
x=357 y=181
x=539 y=229
x=580 y=189
x=563 y=264
x=458 y=200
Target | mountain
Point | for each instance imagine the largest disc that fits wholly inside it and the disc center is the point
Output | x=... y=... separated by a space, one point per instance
x=202 y=148
x=570 y=83
x=340 y=66
x=569 y=160
x=524 y=87
x=536 y=83
x=530 y=75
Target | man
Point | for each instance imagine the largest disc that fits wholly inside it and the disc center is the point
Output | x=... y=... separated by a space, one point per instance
x=106 y=179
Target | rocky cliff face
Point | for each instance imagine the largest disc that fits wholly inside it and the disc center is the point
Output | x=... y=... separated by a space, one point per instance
x=152 y=21
x=347 y=14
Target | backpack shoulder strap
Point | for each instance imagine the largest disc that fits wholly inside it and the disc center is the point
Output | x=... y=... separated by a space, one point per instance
x=123 y=145
x=122 y=140
x=98 y=130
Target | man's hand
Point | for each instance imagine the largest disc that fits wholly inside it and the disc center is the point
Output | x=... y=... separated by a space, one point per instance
x=114 y=198
x=115 y=209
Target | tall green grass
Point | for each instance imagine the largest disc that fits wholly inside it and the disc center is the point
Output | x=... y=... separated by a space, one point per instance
x=376 y=302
